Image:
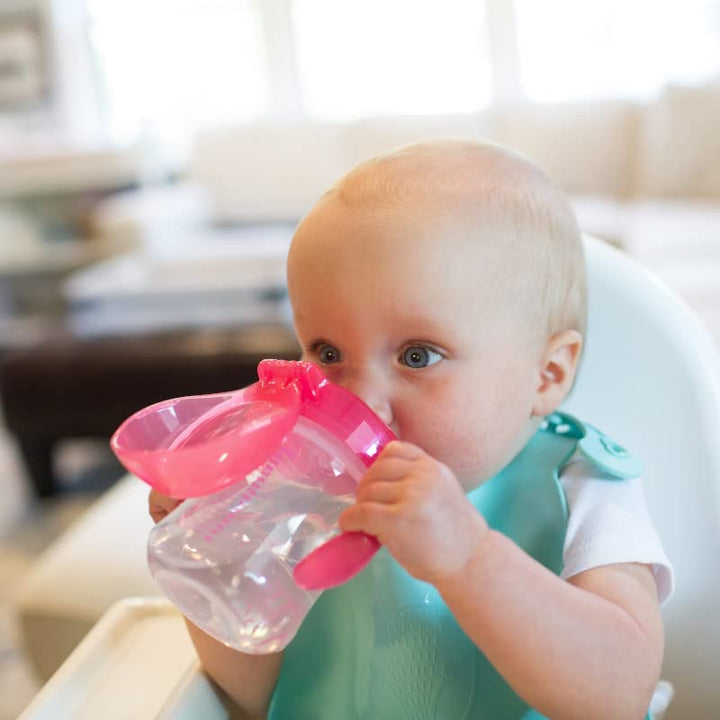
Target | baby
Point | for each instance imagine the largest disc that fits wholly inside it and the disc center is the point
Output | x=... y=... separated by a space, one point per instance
x=444 y=284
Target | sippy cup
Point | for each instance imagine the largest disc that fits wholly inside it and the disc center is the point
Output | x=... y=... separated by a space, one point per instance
x=267 y=470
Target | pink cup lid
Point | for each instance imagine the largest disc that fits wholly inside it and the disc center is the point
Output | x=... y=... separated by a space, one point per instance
x=197 y=445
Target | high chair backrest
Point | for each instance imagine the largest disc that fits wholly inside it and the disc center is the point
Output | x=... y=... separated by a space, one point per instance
x=650 y=379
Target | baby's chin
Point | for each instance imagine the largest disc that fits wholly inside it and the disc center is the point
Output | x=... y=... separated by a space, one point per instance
x=473 y=475
x=470 y=482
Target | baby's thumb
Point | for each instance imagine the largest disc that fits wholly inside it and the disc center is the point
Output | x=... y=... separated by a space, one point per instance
x=159 y=506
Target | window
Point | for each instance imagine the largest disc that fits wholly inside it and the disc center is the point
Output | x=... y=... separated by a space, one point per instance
x=178 y=63
x=586 y=50
x=404 y=57
x=185 y=64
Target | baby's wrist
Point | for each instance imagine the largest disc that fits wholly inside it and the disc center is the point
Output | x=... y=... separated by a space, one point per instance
x=473 y=550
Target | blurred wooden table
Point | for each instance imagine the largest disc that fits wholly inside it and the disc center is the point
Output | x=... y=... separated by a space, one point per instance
x=68 y=388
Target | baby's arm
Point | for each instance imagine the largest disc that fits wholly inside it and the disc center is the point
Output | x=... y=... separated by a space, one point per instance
x=248 y=679
x=590 y=647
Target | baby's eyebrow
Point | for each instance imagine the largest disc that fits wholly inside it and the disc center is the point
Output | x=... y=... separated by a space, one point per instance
x=426 y=340
x=427 y=331
x=315 y=344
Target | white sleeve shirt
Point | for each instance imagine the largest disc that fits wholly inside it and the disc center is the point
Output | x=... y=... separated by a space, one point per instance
x=609 y=523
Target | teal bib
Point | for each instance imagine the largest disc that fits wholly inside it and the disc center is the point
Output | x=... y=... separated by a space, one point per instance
x=384 y=645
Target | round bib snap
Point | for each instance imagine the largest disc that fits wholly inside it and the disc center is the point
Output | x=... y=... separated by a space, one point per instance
x=608 y=455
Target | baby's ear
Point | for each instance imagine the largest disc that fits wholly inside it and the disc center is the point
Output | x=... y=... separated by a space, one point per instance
x=558 y=366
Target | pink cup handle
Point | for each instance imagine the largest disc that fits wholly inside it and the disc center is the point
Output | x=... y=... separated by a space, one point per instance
x=335 y=561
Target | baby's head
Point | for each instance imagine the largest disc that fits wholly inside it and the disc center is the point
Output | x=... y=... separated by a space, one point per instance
x=444 y=283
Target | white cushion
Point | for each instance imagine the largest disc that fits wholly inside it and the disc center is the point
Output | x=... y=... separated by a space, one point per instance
x=680 y=144
x=589 y=148
x=267 y=170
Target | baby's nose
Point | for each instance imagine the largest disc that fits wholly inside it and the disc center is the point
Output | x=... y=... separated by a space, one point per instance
x=373 y=393
x=383 y=411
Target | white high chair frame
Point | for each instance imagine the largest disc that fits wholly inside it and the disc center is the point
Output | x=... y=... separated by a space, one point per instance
x=650 y=379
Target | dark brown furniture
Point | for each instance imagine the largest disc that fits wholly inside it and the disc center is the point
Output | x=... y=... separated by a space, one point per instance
x=68 y=388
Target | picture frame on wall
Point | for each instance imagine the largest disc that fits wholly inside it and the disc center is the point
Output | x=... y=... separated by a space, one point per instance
x=24 y=81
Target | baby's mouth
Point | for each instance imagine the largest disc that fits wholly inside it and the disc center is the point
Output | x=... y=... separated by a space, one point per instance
x=396 y=431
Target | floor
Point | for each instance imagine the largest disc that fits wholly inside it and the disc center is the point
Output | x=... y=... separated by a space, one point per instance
x=27 y=527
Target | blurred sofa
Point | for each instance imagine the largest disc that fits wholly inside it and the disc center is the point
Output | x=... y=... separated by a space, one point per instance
x=614 y=158
x=645 y=176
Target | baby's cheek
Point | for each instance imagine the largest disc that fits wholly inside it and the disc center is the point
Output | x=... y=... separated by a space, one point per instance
x=461 y=450
x=476 y=452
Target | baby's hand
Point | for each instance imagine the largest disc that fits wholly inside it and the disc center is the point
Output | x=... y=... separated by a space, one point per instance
x=416 y=507
x=161 y=505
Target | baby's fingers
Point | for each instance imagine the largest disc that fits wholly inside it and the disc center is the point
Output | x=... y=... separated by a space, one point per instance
x=367 y=517
x=394 y=463
x=161 y=505
x=379 y=491
x=401 y=450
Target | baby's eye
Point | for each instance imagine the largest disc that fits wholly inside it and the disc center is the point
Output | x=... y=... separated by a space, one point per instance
x=418 y=356
x=327 y=354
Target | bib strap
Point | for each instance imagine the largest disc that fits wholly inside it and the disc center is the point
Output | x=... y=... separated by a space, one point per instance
x=615 y=462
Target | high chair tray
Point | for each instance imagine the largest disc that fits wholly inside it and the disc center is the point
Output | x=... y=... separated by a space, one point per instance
x=137 y=662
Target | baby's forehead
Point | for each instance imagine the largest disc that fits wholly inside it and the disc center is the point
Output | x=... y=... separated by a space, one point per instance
x=397 y=256
x=409 y=235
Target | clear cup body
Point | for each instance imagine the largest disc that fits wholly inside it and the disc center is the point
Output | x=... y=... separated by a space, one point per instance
x=226 y=560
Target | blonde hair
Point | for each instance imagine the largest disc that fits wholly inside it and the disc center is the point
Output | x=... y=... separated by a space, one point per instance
x=538 y=230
